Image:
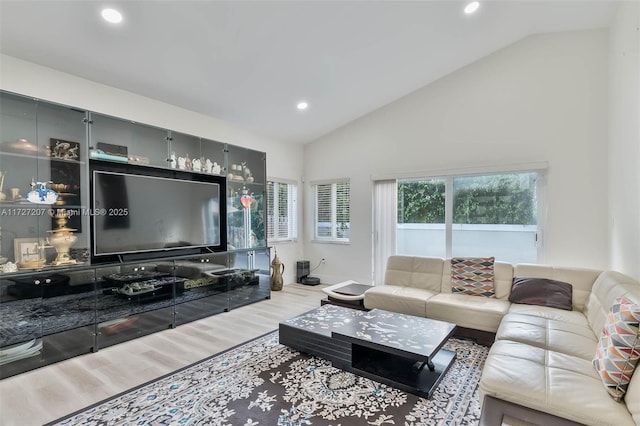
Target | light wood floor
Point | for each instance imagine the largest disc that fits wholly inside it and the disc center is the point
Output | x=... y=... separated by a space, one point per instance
x=48 y=393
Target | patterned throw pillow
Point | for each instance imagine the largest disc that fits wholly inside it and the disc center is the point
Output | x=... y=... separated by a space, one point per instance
x=618 y=349
x=472 y=275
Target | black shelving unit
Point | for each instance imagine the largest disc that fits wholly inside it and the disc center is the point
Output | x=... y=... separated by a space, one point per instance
x=55 y=312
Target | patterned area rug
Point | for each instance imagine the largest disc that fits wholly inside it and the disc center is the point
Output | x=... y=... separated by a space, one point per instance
x=264 y=383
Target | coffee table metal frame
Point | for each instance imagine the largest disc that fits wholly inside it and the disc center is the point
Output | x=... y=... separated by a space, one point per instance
x=399 y=350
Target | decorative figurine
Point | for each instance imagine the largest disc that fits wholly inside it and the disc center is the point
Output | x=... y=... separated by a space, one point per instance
x=215 y=169
x=40 y=194
x=182 y=163
x=196 y=165
x=208 y=165
x=172 y=160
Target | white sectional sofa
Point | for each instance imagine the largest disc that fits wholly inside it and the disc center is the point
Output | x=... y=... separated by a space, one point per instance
x=539 y=369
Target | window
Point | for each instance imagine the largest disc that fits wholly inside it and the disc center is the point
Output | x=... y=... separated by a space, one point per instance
x=470 y=215
x=282 y=211
x=332 y=212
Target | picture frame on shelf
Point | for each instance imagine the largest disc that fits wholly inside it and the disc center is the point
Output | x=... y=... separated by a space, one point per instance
x=64 y=150
x=29 y=252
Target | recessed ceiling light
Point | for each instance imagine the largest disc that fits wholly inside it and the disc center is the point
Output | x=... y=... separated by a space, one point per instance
x=302 y=105
x=471 y=7
x=111 y=15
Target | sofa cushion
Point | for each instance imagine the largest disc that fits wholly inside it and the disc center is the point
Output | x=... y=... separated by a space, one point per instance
x=580 y=279
x=632 y=398
x=406 y=300
x=618 y=349
x=608 y=286
x=413 y=271
x=556 y=335
x=556 y=383
x=573 y=317
x=541 y=291
x=472 y=276
x=480 y=313
x=606 y=289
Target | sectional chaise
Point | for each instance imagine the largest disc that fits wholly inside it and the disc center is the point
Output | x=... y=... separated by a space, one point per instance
x=540 y=367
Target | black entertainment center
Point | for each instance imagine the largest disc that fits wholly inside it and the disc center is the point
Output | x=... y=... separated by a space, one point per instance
x=113 y=230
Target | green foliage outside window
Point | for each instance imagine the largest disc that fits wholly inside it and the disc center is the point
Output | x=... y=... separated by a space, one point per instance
x=343 y=213
x=493 y=199
x=421 y=201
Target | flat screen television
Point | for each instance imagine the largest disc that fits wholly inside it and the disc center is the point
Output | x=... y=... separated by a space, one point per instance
x=140 y=212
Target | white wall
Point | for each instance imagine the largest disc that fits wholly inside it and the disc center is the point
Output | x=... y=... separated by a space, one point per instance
x=624 y=136
x=541 y=99
x=284 y=160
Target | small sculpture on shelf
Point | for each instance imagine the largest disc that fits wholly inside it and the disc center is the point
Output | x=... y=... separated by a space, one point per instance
x=240 y=172
x=40 y=194
x=172 y=160
x=182 y=163
x=208 y=165
x=246 y=173
x=216 y=169
x=196 y=165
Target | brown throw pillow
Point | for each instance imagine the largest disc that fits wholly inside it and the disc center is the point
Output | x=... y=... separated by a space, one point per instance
x=541 y=291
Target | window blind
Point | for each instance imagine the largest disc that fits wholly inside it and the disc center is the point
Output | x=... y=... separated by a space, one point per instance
x=333 y=212
x=281 y=211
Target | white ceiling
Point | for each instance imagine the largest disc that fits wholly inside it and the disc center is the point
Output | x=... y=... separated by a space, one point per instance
x=250 y=62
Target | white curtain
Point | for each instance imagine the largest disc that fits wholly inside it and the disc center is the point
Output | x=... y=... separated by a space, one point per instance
x=384 y=222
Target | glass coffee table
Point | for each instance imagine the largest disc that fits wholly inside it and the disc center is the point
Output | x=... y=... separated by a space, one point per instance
x=402 y=351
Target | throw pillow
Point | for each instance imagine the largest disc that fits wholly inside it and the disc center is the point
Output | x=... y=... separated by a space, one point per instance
x=618 y=349
x=541 y=291
x=473 y=276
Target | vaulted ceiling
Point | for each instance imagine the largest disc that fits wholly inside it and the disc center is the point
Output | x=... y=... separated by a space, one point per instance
x=251 y=62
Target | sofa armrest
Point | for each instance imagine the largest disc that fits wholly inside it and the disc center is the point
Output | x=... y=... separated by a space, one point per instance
x=494 y=410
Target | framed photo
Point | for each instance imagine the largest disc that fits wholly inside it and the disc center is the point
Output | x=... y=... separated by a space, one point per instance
x=28 y=250
x=64 y=150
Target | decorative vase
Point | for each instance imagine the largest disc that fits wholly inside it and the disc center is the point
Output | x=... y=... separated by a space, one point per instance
x=62 y=239
x=277 y=269
x=62 y=242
